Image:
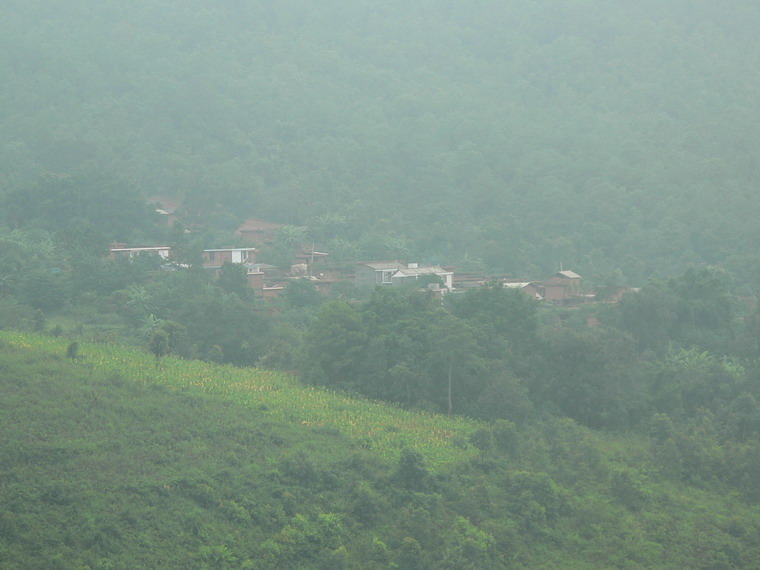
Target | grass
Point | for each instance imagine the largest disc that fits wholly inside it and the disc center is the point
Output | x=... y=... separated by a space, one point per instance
x=380 y=427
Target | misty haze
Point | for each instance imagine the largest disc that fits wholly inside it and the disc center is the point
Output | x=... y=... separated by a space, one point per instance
x=436 y=284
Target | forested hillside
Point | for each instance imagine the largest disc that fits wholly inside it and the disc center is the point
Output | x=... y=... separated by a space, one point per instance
x=109 y=460
x=344 y=427
x=506 y=137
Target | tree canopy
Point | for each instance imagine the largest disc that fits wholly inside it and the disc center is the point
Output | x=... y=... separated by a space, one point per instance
x=500 y=138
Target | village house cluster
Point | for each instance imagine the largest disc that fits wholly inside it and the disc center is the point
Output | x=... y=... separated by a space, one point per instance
x=269 y=281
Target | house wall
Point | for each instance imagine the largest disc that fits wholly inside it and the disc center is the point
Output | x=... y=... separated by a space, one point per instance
x=554 y=292
x=271 y=292
x=214 y=257
x=398 y=280
x=570 y=287
x=366 y=276
x=244 y=256
x=532 y=291
x=163 y=252
x=256 y=279
x=222 y=257
x=257 y=232
x=330 y=274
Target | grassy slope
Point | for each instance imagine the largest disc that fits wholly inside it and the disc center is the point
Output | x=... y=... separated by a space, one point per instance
x=112 y=462
x=102 y=471
x=281 y=397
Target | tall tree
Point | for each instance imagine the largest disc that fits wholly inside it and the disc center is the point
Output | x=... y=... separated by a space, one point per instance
x=337 y=343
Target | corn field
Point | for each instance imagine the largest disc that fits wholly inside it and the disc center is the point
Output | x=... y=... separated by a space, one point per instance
x=380 y=427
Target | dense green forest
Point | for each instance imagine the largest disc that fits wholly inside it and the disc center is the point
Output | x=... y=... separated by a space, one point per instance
x=241 y=432
x=488 y=136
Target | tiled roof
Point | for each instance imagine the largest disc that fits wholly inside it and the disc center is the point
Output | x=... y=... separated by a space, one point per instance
x=426 y=270
x=569 y=274
x=379 y=265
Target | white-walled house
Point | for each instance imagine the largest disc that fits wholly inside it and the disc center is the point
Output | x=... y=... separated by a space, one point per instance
x=373 y=273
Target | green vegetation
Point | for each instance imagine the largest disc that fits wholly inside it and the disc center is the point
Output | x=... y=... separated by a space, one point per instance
x=280 y=397
x=111 y=462
x=608 y=138
x=158 y=415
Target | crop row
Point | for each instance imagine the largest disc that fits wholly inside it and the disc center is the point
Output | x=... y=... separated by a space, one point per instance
x=384 y=428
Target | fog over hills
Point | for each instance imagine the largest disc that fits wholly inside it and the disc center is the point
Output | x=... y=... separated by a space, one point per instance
x=452 y=285
x=495 y=137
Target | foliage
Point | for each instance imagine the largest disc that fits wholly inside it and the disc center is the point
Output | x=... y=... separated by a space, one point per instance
x=616 y=140
x=412 y=472
x=692 y=308
x=337 y=340
x=233 y=278
x=72 y=351
x=159 y=344
x=504 y=317
x=73 y=203
x=212 y=466
x=591 y=375
x=280 y=396
x=587 y=137
x=301 y=294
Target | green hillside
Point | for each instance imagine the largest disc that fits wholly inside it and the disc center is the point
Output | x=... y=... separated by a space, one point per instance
x=110 y=460
x=493 y=137
x=158 y=414
x=282 y=398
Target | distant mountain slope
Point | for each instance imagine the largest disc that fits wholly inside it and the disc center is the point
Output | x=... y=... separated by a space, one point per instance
x=510 y=137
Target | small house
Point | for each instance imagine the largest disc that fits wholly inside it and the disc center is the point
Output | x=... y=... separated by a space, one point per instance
x=532 y=290
x=371 y=274
x=120 y=250
x=562 y=286
x=257 y=232
x=218 y=257
x=413 y=272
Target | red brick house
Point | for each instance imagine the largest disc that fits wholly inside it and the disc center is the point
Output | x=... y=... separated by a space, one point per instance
x=257 y=232
x=255 y=279
x=562 y=286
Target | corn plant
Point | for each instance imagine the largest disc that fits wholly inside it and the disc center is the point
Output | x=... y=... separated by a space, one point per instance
x=380 y=427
